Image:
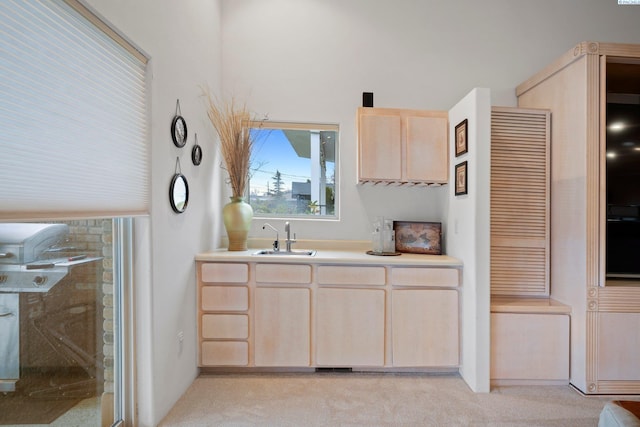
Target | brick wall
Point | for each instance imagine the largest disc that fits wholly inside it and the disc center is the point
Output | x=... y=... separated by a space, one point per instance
x=95 y=238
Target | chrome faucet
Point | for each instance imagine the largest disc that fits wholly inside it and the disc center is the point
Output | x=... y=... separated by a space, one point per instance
x=287 y=229
x=276 y=243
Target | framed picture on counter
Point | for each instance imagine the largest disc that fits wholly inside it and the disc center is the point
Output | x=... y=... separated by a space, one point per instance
x=418 y=237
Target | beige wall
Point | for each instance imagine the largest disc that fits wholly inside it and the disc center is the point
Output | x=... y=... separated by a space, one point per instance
x=310 y=60
x=183 y=42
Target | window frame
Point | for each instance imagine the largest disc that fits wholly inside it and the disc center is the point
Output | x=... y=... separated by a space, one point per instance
x=304 y=126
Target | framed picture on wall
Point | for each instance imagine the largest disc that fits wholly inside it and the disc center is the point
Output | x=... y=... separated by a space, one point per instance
x=461 y=179
x=461 y=138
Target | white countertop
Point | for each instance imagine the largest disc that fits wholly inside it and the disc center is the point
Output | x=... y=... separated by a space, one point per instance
x=331 y=256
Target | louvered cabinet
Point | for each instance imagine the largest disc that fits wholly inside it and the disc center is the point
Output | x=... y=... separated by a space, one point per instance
x=520 y=202
x=529 y=331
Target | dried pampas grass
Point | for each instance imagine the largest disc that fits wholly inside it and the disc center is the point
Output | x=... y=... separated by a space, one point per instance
x=232 y=122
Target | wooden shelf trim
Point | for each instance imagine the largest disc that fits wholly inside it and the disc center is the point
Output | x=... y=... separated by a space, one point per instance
x=528 y=305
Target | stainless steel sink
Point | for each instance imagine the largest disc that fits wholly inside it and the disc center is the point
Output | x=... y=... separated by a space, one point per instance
x=270 y=252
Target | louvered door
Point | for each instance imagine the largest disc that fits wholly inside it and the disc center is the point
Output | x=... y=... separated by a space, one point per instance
x=520 y=202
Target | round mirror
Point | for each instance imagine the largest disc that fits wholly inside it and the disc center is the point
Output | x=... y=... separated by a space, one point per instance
x=179 y=193
x=196 y=155
x=179 y=131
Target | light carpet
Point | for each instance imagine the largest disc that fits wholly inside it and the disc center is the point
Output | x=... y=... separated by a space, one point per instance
x=363 y=399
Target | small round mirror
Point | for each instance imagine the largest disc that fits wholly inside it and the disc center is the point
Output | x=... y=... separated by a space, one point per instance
x=179 y=193
x=179 y=131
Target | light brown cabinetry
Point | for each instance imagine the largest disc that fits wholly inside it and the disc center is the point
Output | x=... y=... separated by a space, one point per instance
x=618 y=353
x=350 y=327
x=223 y=320
x=283 y=327
x=351 y=275
x=424 y=316
x=225 y=326
x=425 y=327
x=530 y=347
x=575 y=87
x=520 y=160
x=425 y=277
x=350 y=322
x=402 y=146
x=282 y=315
x=305 y=315
x=529 y=341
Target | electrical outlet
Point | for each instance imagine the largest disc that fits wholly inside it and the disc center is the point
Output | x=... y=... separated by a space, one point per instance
x=180 y=341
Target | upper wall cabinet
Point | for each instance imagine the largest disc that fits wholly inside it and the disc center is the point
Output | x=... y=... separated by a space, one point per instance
x=402 y=146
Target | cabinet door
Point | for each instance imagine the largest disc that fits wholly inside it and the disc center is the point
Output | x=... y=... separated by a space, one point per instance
x=529 y=346
x=380 y=151
x=520 y=202
x=350 y=327
x=427 y=154
x=618 y=347
x=282 y=327
x=425 y=328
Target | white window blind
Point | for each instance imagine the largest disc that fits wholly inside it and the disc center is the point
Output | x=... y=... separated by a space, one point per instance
x=73 y=118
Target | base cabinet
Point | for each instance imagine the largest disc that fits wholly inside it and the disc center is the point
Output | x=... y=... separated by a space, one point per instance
x=282 y=327
x=529 y=346
x=223 y=314
x=350 y=327
x=305 y=315
x=425 y=328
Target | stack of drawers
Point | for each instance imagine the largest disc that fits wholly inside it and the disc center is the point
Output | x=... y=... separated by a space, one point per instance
x=224 y=305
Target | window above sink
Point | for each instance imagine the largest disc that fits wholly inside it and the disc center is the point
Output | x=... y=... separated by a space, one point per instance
x=293 y=172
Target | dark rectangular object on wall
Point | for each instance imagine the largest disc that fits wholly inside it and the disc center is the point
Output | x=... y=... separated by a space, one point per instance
x=367 y=99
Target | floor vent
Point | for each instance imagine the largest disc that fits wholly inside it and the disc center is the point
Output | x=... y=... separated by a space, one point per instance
x=332 y=370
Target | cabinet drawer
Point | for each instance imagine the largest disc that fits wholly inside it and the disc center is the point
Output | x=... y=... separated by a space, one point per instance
x=225 y=298
x=212 y=272
x=225 y=353
x=414 y=276
x=283 y=273
x=226 y=326
x=346 y=275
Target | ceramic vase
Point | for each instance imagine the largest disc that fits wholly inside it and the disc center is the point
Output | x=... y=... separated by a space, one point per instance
x=237 y=216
